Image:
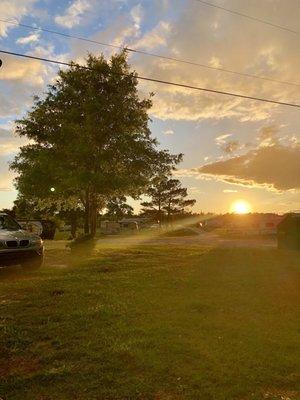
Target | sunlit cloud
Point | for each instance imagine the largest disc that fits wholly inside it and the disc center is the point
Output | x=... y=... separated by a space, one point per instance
x=12 y=9
x=9 y=142
x=74 y=14
x=275 y=168
x=158 y=36
x=32 y=38
x=24 y=71
x=274 y=57
x=168 y=132
x=222 y=138
x=137 y=15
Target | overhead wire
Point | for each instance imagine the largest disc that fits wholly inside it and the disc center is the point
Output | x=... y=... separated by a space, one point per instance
x=240 y=14
x=143 y=78
x=149 y=54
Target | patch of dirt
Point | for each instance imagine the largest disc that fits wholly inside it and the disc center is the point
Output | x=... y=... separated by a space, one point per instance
x=18 y=366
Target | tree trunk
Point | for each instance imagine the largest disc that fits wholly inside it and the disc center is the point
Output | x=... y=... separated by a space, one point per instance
x=73 y=224
x=159 y=216
x=93 y=216
x=87 y=214
x=169 y=213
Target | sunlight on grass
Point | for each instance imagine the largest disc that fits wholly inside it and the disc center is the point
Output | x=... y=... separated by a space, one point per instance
x=151 y=322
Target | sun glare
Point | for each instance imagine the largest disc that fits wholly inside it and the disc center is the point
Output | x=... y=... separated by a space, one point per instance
x=240 y=207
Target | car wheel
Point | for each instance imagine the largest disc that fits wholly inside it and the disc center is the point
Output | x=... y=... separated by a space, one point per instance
x=33 y=263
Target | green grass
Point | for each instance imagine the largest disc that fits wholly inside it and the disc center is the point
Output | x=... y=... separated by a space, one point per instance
x=154 y=322
x=180 y=232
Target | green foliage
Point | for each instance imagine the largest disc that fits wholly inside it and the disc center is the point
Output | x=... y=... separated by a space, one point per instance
x=117 y=208
x=89 y=138
x=168 y=198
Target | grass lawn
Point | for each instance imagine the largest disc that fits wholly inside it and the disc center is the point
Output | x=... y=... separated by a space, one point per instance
x=152 y=322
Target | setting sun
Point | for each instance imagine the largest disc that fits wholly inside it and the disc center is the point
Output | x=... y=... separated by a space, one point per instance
x=241 y=207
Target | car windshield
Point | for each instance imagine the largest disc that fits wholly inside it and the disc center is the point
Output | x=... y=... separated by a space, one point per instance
x=6 y=222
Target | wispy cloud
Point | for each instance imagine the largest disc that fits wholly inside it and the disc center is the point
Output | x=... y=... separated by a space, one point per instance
x=219 y=140
x=168 y=132
x=154 y=38
x=10 y=9
x=32 y=38
x=137 y=15
x=73 y=14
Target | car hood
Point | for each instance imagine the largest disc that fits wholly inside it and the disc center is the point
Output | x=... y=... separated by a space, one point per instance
x=20 y=234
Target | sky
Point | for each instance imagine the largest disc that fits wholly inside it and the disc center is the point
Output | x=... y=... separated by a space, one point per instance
x=233 y=148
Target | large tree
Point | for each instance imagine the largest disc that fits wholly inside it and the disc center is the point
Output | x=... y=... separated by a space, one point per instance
x=167 y=198
x=89 y=138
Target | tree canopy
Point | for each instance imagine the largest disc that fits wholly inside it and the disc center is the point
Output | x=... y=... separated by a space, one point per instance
x=117 y=208
x=90 y=138
x=167 y=198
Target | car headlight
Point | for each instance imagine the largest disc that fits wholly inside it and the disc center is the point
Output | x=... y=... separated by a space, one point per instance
x=36 y=241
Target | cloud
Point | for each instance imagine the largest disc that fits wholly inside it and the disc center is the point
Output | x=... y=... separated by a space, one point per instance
x=6 y=177
x=15 y=69
x=9 y=9
x=6 y=182
x=20 y=79
x=230 y=191
x=227 y=147
x=168 y=132
x=137 y=15
x=9 y=146
x=23 y=78
x=186 y=173
x=124 y=29
x=276 y=168
x=272 y=55
x=33 y=37
x=231 y=146
x=9 y=142
x=194 y=190
x=73 y=14
x=222 y=138
x=154 y=38
x=268 y=136
x=268 y=53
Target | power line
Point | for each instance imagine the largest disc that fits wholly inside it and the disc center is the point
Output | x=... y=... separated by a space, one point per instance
x=70 y=64
x=262 y=21
x=145 y=53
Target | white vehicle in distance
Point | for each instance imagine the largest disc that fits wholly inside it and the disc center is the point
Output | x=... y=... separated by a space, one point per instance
x=19 y=247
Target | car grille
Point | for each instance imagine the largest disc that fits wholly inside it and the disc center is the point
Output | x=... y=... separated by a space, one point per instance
x=24 y=243
x=12 y=243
